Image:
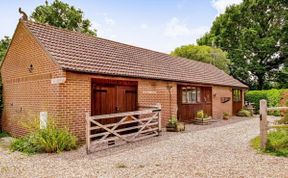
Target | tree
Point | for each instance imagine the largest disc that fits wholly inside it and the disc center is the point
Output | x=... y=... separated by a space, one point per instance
x=4 y=44
x=205 y=54
x=62 y=15
x=255 y=35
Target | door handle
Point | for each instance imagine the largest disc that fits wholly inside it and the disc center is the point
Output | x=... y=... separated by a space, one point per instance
x=117 y=108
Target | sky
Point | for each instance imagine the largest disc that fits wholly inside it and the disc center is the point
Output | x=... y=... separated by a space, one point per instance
x=160 y=25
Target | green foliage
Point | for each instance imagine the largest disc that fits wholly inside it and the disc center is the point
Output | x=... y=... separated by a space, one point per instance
x=172 y=122
x=207 y=54
x=25 y=145
x=244 y=113
x=4 y=44
x=255 y=35
x=225 y=114
x=3 y=134
x=200 y=114
x=284 y=119
x=48 y=140
x=277 y=143
x=62 y=15
x=273 y=98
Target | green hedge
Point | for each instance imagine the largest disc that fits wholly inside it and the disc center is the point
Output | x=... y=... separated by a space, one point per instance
x=272 y=96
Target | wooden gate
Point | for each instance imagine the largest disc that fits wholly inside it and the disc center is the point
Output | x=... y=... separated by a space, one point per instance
x=130 y=127
x=264 y=124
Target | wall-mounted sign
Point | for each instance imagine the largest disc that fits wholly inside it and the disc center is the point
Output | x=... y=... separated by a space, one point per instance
x=225 y=99
x=58 y=80
x=149 y=92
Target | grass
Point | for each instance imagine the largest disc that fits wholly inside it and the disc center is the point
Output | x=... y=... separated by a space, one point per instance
x=277 y=143
x=4 y=134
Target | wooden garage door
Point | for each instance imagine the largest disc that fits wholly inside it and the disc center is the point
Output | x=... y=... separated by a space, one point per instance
x=111 y=96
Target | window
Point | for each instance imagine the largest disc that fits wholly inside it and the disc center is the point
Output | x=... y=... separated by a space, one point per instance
x=191 y=95
x=237 y=95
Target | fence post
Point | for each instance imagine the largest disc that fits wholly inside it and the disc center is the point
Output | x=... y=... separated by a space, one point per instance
x=88 y=125
x=158 y=105
x=263 y=124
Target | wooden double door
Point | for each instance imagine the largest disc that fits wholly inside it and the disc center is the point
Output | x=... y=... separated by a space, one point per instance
x=113 y=96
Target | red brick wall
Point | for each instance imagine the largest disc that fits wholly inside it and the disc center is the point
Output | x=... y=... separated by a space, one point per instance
x=76 y=99
x=151 y=92
x=217 y=107
x=27 y=93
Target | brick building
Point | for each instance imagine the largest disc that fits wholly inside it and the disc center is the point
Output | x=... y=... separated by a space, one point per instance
x=67 y=74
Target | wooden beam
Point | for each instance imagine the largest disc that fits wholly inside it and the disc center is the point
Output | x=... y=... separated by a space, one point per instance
x=88 y=125
x=123 y=114
x=277 y=108
x=263 y=124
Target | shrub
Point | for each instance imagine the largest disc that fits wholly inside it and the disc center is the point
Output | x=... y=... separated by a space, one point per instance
x=48 y=140
x=201 y=114
x=284 y=119
x=244 y=113
x=3 y=134
x=26 y=145
x=272 y=96
x=172 y=122
x=225 y=114
x=277 y=143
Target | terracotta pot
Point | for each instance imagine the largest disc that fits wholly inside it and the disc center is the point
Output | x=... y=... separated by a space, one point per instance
x=225 y=117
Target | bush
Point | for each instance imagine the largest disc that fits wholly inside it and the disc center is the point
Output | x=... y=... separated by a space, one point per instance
x=244 y=113
x=272 y=96
x=277 y=143
x=48 y=140
x=284 y=119
x=201 y=114
x=3 y=134
x=172 y=122
x=26 y=145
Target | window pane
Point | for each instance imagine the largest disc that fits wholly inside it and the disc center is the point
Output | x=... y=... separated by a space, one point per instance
x=236 y=95
x=184 y=97
x=199 y=95
x=193 y=96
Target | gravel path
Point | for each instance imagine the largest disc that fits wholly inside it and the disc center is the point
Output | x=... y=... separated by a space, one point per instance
x=221 y=151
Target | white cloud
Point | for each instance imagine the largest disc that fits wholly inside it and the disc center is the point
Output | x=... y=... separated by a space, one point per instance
x=176 y=28
x=109 y=21
x=144 y=26
x=220 y=5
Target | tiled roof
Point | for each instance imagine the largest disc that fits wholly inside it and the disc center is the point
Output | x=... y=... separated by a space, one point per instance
x=74 y=51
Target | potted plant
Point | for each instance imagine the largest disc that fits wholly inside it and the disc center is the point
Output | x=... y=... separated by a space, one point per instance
x=225 y=115
x=175 y=126
x=202 y=118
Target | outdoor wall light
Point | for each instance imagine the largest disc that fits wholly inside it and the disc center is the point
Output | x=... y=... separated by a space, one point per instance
x=30 y=68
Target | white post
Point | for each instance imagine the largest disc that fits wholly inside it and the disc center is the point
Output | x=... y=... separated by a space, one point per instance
x=263 y=124
x=43 y=120
x=88 y=126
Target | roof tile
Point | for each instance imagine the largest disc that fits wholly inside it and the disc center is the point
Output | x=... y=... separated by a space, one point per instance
x=80 y=52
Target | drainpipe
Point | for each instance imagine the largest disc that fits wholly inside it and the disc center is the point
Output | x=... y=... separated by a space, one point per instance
x=169 y=87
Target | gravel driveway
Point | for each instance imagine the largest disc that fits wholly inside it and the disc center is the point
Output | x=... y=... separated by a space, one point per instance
x=209 y=151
